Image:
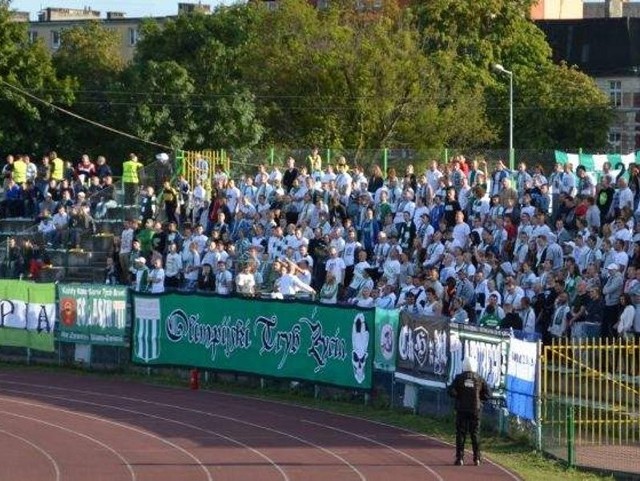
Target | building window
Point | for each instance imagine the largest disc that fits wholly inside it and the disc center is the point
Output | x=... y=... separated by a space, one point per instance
x=55 y=39
x=33 y=36
x=615 y=141
x=134 y=36
x=615 y=93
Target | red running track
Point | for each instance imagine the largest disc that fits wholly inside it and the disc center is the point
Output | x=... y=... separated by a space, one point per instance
x=60 y=426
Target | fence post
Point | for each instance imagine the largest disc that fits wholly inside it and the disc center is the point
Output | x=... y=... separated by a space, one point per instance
x=539 y=398
x=446 y=155
x=571 y=442
x=328 y=156
x=272 y=155
x=512 y=159
x=385 y=161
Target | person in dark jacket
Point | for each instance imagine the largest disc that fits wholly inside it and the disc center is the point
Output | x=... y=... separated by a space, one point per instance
x=469 y=390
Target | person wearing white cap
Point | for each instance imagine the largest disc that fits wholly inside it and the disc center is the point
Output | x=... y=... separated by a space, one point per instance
x=141 y=283
x=612 y=291
x=469 y=391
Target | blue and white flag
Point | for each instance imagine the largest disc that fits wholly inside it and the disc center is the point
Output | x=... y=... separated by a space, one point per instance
x=521 y=378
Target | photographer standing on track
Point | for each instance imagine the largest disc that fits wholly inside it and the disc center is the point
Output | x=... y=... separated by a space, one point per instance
x=469 y=390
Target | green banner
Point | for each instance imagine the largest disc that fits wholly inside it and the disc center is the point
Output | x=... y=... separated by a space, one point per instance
x=27 y=314
x=93 y=314
x=386 y=338
x=291 y=340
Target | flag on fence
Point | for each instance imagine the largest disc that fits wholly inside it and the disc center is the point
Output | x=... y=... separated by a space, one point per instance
x=27 y=315
x=386 y=339
x=521 y=378
x=594 y=162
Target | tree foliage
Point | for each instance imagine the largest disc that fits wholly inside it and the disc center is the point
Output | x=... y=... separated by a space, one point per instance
x=354 y=79
x=90 y=54
x=207 y=48
x=249 y=76
x=554 y=106
x=26 y=125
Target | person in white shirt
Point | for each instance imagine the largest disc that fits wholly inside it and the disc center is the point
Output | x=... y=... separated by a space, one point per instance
x=173 y=267
x=156 y=277
x=47 y=229
x=433 y=176
x=246 y=282
x=191 y=266
x=61 y=223
x=388 y=298
x=391 y=268
x=461 y=231
x=329 y=291
x=625 y=195
x=224 y=280
x=289 y=285
x=336 y=265
x=558 y=327
x=364 y=300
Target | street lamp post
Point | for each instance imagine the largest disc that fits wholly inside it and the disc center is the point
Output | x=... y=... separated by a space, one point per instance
x=500 y=69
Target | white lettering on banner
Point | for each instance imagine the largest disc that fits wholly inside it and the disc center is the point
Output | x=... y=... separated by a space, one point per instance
x=13 y=313
x=424 y=348
x=32 y=317
x=491 y=358
x=522 y=360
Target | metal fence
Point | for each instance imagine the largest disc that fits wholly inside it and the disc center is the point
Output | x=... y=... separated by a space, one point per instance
x=590 y=402
x=246 y=161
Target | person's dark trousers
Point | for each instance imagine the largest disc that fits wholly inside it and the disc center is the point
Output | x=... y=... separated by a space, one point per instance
x=467 y=422
x=130 y=190
x=611 y=315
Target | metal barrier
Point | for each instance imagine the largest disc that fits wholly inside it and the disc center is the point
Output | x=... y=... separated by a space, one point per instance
x=590 y=401
x=201 y=166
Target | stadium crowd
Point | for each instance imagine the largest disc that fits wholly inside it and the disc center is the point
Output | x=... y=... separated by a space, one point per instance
x=555 y=253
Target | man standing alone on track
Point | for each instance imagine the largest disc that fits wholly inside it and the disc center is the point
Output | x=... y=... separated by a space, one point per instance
x=469 y=390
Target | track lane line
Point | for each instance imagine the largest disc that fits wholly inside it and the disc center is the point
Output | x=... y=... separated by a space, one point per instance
x=205 y=413
x=41 y=450
x=259 y=453
x=115 y=423
x=77 y=433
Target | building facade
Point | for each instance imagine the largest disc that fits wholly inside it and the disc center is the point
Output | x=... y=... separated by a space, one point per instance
x=606 y=49
x=52 y=22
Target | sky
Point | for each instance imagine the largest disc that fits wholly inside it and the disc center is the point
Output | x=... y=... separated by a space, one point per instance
x=133 y=8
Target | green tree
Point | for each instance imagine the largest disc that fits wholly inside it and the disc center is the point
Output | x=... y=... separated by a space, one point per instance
x=27 y=125
x=554 y=106
x=355 y=79
x=207 y=48
x=90 y=54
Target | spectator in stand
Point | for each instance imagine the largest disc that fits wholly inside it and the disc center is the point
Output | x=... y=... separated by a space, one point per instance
x=141 y=275
x=103 y=170
x=206 y=279
x=246 y=282
x=156 y=277
x=224 y=279
x=85 y=169
x=191 y=266
x=131 y=170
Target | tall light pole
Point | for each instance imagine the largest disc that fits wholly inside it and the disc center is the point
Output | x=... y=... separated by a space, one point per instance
x=500 y=69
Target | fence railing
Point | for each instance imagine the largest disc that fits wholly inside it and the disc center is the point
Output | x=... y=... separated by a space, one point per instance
x=246 y=161
x=590 y=400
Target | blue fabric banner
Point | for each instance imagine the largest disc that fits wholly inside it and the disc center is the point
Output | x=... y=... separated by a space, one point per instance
x=521 y=378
